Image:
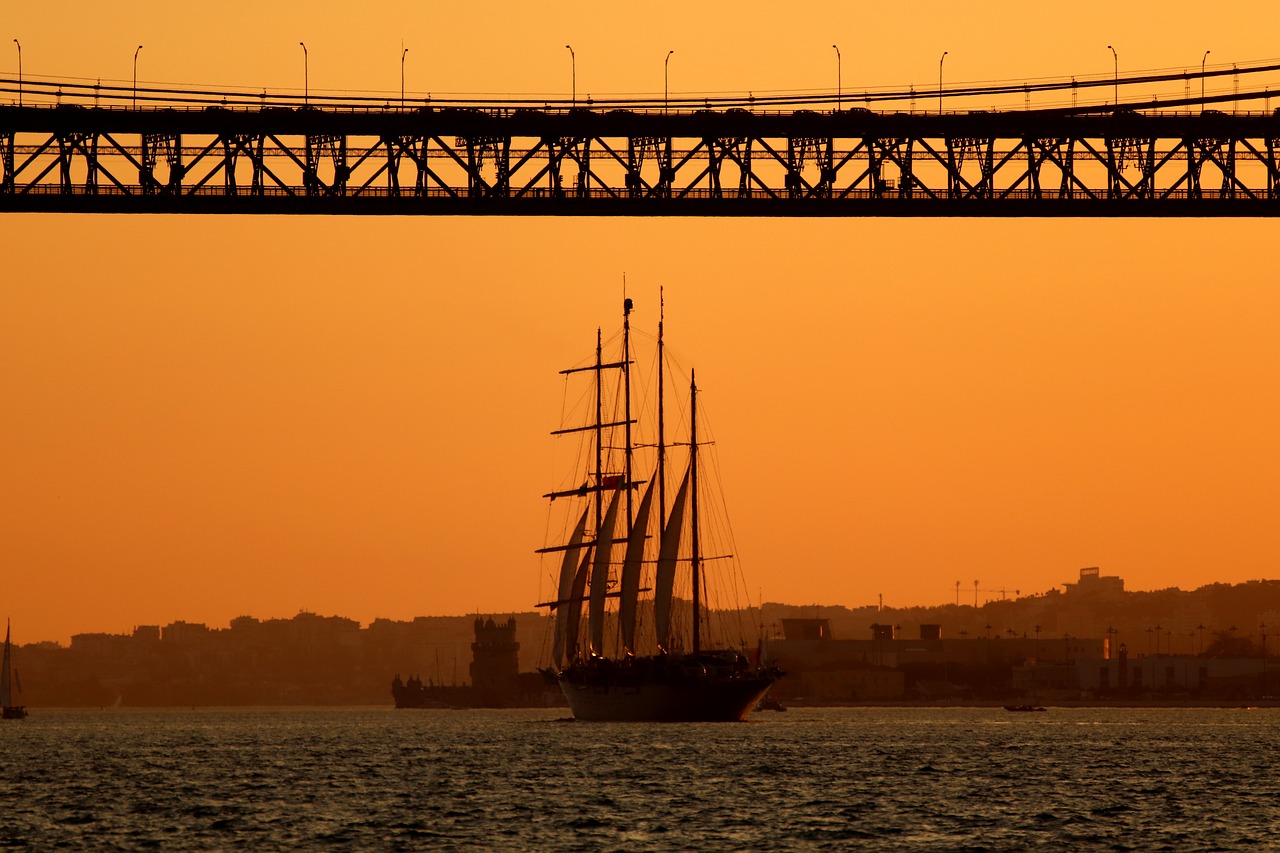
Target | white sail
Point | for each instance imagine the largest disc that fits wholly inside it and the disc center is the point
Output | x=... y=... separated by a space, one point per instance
x=600 y=575
x=631 y=564
x=573 y=609
x=567 y=568
x=664 y=580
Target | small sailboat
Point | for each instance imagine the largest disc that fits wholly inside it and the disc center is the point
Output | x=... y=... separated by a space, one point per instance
x=653 y=649
x=10 y=710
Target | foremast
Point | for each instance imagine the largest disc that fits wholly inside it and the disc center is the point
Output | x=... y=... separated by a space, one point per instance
x=588 y=580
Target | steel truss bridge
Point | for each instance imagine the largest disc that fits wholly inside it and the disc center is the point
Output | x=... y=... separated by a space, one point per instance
x=1171 y=158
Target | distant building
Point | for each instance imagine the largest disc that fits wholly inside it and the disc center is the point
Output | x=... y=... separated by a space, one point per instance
x=806 y=629
x=1093 y=583
x=496 y=680
x=1180 y=674
x=495 y=664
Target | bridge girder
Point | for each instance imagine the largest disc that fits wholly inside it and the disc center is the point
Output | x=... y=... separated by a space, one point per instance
x=463 y=161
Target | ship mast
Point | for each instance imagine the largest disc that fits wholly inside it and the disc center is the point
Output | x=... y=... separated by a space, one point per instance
x=662 y=446
x=626 y=385
x=693 y=484
x=599 y=439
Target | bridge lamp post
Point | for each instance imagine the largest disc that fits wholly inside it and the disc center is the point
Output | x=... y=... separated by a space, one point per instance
x=573 y=75
x=403 y=51
x=1203 y=59
x=306 y=75
x=944 y=56
x=1115 y=56
x=19 y=44
x=666 y=81
x=839 y=77
x=135 y=77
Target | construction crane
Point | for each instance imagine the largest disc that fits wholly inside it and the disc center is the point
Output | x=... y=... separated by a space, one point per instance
x=1002 y=591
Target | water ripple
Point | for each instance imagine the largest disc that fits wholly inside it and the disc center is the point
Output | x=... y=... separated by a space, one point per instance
x=831 y=779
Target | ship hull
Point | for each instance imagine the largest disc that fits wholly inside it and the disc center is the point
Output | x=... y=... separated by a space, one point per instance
x=663 y=693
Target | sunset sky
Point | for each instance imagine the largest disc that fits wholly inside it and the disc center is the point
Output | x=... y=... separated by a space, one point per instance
x=202 y=418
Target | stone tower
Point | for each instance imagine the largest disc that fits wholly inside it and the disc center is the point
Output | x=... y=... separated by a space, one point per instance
x=495 y=663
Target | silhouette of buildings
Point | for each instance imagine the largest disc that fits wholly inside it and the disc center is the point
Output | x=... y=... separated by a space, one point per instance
x=1060 y=644
x=1091 y=639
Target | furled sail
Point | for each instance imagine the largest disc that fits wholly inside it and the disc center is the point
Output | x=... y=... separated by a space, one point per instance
x=664 y=580
x=600 y=575
x=567 y=568
x=631 y=564
x=573 y=610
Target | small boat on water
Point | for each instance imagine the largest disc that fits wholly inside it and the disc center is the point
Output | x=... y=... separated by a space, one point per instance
x=7 y=680
x=664 y=656
x=770 y=703
x=1024 y=708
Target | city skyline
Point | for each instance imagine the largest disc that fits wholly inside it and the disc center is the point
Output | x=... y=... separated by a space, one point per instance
x=210 y=417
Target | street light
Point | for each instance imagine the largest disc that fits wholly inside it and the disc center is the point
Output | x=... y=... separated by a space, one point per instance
x=1116 y=57
x=403 y=51
x=1202 y=62
x=19 y=44
x=306 y=75
x=944 y=56
x=666 y=81
x=135 y=77
x=573 y=74
x=839 y=78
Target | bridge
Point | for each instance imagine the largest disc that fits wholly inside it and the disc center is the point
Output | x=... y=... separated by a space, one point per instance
x=69 y=147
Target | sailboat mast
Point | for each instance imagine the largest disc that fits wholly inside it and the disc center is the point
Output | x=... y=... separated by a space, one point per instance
x=693 y=484
x=626 y=390
x=6 y=695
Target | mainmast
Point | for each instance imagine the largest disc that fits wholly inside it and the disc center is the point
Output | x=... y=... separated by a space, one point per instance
x=696 y=557
x=626 y=390
x=662 y=445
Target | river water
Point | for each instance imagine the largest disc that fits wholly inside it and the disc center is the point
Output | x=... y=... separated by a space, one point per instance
x=806 y=779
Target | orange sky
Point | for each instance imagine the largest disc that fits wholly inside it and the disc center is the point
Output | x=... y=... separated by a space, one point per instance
x=207 y=417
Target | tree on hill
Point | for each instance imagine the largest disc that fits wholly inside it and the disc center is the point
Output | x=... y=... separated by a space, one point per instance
x=1227 y=645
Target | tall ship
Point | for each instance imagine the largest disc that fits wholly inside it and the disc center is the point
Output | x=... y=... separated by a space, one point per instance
x=638 y=546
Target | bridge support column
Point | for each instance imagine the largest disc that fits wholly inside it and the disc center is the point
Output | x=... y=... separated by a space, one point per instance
x=6 y=162
x=152 y=145
x=233 y=145
x=745 y=189
x=984 y=151
x=87 y=145
x=317 y=146
x=1273 y=168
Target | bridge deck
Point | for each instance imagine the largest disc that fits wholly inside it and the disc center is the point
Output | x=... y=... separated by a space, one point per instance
x=455 y=161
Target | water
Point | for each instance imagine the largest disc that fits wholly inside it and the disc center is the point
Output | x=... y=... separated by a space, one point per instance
x=808 y=779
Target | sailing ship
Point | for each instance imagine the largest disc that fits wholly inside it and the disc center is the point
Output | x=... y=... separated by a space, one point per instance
x=653 y=648
x=10 y=711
